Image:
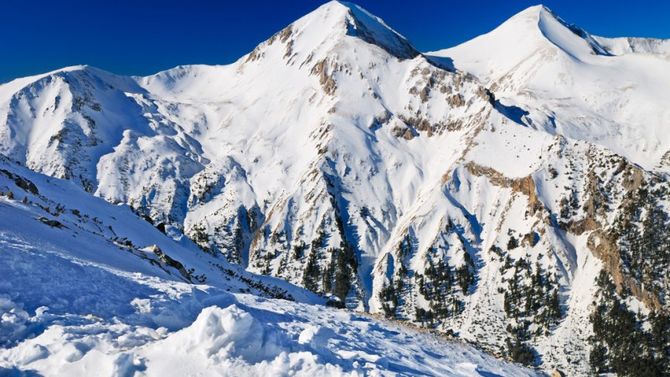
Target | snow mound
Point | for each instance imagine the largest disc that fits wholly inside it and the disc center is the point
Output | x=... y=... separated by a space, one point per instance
x=14 y=321
x=236 y=343
x=226 y=333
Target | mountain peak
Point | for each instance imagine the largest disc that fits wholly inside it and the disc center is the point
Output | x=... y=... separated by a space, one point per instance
x=534 y=29
x=327 y=26
x=533 y=11
x=374 y=30
x=566 y=36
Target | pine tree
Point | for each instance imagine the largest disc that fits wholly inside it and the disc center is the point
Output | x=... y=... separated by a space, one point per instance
x=344 y=266
x=235 y=255
x=465 y=275
x=311 y=273
x=598 y=359
x=554 y=306
x=512 y=243
x=389 y=299
x=299 y=249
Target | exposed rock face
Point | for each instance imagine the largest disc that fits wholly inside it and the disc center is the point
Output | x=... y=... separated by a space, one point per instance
x=321 y=70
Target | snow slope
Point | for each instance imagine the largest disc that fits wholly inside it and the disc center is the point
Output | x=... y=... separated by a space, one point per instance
x=74 y=301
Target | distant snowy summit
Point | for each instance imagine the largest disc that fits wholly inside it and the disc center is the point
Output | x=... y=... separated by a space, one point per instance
x=606 y=91
x=508 y=191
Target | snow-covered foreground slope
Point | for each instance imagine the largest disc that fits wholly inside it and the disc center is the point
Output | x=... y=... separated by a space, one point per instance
x=77 y=301
x=505 y=191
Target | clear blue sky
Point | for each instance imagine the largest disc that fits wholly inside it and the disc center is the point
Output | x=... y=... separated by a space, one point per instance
x=145 y=36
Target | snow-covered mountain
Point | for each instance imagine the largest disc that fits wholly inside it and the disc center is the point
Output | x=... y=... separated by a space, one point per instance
x=496 y=190
x=611 y=92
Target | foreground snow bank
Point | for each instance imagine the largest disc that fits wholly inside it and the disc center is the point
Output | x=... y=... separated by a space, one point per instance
x=250 y=337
